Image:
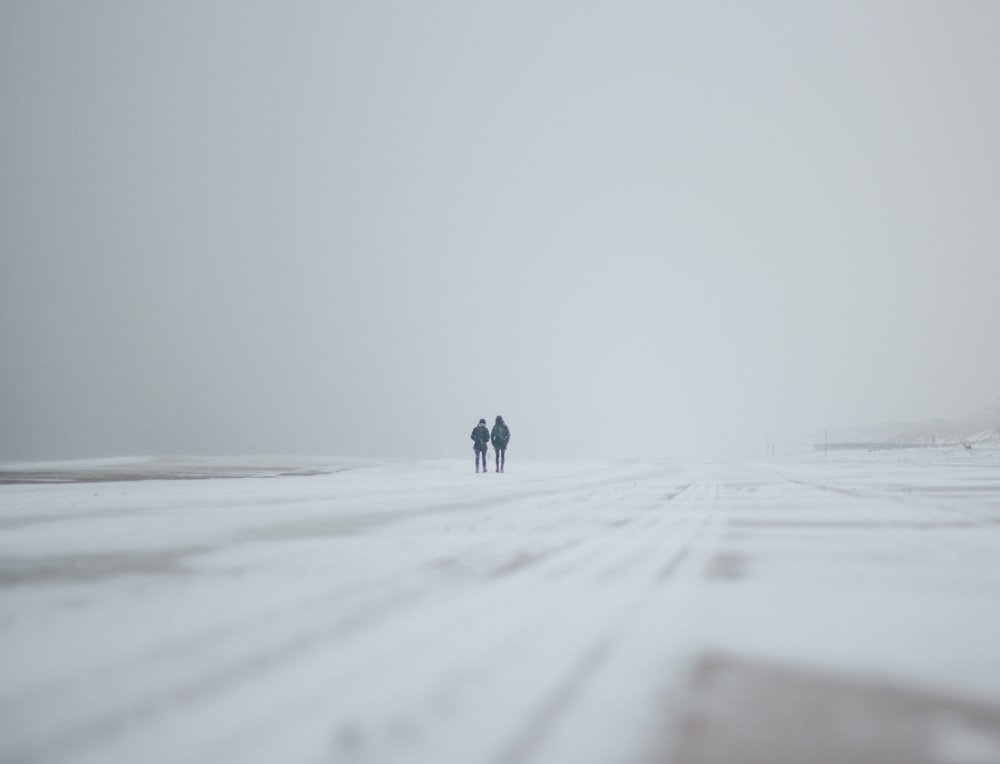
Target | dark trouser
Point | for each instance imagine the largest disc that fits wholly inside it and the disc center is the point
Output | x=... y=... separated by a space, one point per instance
x=478 y=454
x=501 y=452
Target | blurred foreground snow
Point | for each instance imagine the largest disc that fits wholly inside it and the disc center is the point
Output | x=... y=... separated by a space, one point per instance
x=802 y=610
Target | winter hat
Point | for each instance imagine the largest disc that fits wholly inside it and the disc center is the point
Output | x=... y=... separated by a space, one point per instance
x=482 y=421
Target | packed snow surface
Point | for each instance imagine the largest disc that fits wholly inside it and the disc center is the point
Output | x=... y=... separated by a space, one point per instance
x=810 y=609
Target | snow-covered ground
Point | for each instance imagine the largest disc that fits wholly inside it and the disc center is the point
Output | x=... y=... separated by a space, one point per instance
x=799 y=610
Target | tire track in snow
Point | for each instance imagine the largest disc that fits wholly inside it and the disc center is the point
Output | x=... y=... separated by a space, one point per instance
x=318 y=635
x=910 y=499
x=540 y=599
x=427 y=572
x=522 y=748
x=558 y=703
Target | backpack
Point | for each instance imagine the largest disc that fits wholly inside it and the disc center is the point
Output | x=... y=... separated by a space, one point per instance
x=501 y=434
x=481 y=435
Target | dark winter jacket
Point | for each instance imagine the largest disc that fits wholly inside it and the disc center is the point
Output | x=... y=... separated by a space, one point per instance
x=480 y=437
x=500 y=435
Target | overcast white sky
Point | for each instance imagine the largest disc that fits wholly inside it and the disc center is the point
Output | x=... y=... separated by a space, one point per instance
x=632 y=228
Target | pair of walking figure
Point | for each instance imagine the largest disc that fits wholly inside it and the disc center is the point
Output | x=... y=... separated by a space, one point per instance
x=499 y=437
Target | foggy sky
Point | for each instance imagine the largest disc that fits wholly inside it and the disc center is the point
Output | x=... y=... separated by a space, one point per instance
x=631 y=228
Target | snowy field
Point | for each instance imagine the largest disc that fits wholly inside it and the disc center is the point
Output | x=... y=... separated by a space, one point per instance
x=795 y=611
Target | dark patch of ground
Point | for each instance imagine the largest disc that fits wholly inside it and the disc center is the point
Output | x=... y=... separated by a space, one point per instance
x=737 y=710
x=11 y=476
x=87 y=568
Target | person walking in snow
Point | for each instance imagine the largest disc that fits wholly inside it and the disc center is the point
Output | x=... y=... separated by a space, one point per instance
x=500 y=437
x=480 y=440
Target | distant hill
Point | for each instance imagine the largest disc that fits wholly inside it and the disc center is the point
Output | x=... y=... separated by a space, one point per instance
x=979 y=428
